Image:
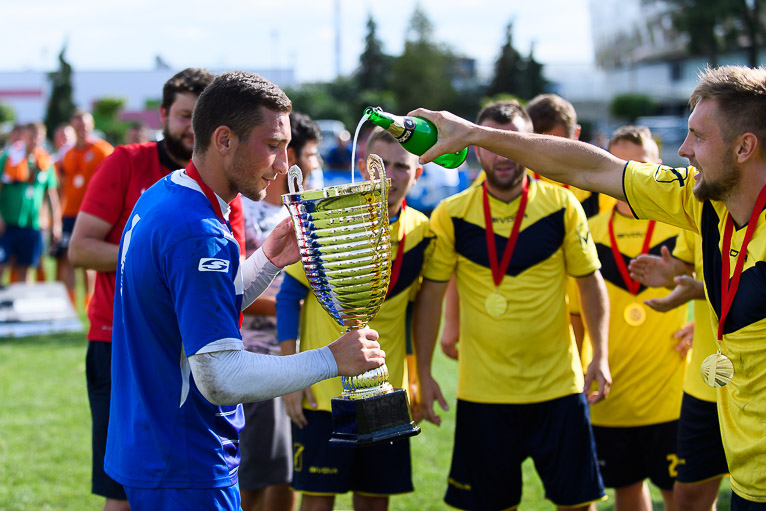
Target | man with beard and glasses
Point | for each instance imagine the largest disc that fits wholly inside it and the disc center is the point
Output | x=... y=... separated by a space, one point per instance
x=721 y=196
x=108 y=201
x=179 y=367
x=511 y=243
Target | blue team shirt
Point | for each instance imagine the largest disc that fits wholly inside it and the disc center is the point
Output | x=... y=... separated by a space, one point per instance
x=179 y=289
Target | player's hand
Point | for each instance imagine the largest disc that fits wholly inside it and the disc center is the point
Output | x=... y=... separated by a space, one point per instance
x=428 y=393
x=294 y=408
x=685 y=336
x=281 y=246
x=357 y=351
x=448 y=342
x=653 y=271
x=453 y=132
x=686 y=289
x=598 y=371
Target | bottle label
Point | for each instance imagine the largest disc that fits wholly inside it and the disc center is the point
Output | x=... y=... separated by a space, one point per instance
x=408 y=129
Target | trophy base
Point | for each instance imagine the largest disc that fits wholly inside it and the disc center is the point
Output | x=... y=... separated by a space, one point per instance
x=371 y=420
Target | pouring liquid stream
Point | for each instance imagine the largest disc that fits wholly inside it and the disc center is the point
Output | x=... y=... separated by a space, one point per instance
x=353 y=147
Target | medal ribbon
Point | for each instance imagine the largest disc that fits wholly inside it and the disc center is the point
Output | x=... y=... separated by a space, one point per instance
x=193 y=173
x=632 y=285
x=498 y=270
x=729 y=288
x=397 y=267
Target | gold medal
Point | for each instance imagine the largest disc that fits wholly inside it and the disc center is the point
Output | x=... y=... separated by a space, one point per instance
x=635 y=314
x=717 y=370
x=495 y=305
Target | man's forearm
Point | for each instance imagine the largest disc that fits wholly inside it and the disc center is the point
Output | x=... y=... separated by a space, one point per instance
x=94 y=254
x=594 y=306
x=257 y=273
x=426 y=320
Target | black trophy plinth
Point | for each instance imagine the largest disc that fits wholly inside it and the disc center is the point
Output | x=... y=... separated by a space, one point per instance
x=371 y=420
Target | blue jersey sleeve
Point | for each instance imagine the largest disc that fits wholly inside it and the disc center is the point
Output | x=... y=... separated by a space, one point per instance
x=289 y=307
x=202 y=276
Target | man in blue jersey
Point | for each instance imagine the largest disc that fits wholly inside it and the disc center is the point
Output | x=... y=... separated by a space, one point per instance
x=179 y=370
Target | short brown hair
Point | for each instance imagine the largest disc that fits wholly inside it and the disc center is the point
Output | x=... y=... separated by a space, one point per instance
x=503 y=112
x=740 y=93
x=550 y=110
x=234 y=99
x=191 y=79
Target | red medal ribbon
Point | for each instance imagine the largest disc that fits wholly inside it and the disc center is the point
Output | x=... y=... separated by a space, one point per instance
x=193 y=173
x=397 y=267
x=729 y=288
x=632 y=285
x=498 y=270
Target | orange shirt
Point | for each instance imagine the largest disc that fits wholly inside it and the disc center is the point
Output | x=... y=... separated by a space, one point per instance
x=77 y=167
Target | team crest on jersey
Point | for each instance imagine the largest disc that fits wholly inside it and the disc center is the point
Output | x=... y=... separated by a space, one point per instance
x=213 y=264
x=665 y=174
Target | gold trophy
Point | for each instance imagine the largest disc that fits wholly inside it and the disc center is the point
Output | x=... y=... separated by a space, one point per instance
x=345 y=244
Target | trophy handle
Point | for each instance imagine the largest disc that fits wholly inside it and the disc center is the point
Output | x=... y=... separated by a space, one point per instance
x=375 y=166
x=294 y=174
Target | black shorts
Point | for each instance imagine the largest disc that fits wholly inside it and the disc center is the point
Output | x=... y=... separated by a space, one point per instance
x=492 y=441
x=740 y=504
x=98 y=373
x=59 y=250
x=322 y=469
x=629 y=455
x=700 y=449
x=265 y=446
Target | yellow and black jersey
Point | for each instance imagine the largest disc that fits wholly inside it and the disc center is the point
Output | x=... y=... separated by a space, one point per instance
x=689 y=250
x=665 y=193
x=647 y=371
x=592 y=203
x=528 y=354
x=318 y=329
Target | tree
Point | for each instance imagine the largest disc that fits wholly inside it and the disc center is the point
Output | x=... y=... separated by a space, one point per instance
x=714 y=26
x=514 y=74
x=60 y=104
x=106 y=117
x=6 y=113
x=423 y=74
x=632 y=106
x=374 y=65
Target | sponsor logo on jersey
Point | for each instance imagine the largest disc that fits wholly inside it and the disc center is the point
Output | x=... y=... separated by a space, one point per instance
x=665 y=174
x=213 y=264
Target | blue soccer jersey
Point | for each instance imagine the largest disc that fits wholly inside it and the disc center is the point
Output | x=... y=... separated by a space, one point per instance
x=179 y=289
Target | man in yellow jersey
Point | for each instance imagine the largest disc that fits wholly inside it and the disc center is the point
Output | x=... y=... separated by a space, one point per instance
x=511 y=244
x=636 y=428
x=724 y=187
x=322 y=471
x=701 y=458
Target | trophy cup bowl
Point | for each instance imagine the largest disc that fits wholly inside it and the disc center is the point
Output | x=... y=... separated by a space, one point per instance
x=345 y=246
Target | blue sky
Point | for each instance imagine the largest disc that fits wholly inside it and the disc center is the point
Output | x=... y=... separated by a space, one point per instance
x=255 y=34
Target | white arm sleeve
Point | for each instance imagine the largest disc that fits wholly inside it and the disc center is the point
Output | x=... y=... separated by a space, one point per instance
x=257 y=274
x=238 y=376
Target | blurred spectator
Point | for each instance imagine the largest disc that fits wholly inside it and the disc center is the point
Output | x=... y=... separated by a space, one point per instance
x=26 y=182
x=138 y=133
x=76 y=169
x=339 y=157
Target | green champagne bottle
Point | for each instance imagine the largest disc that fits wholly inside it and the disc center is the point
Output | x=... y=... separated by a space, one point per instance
x=415 y=134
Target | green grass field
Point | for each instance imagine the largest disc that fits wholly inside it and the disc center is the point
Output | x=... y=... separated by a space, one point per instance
x=45 y=435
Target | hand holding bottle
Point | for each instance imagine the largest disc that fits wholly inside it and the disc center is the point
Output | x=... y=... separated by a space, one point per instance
x=453 y=133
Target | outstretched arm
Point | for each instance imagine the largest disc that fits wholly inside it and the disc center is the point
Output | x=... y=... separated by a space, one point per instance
x=594 y=303
x=568 y=161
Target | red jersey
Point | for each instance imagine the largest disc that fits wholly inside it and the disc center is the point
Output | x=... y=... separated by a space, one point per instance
x=76 y=169
x=113 y=191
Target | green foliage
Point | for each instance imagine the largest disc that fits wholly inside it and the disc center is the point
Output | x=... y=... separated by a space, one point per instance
x=374 y=65
x=514 y=74
x=714 y=26
x=632 y=106
x=106 y=115
x=6 y=113
x=60 y=105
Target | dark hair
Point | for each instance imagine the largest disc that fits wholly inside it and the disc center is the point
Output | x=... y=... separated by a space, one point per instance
x=378 y=134
x=191 y=79
x=503 y=112
x=234 y=99
x=303 y=130
x=740 y=93
x=550 y=110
